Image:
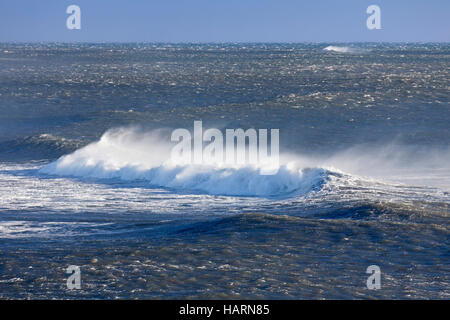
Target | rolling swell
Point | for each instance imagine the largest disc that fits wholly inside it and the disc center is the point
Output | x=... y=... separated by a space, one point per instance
x=37 y=147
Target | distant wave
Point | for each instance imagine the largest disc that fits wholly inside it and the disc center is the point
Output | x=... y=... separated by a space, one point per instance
x=342 y=49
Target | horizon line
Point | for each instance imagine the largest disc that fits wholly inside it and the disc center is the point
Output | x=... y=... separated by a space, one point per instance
x=223 y=42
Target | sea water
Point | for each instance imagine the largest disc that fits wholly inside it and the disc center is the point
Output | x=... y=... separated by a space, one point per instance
x=364 y=175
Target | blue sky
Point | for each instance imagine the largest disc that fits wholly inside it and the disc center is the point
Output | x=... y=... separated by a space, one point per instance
x=224 y=21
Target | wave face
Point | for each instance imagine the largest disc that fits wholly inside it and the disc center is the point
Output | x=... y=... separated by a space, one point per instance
x=130 y=155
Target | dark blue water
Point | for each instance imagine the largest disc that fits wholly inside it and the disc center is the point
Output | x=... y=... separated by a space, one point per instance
x=364 y=177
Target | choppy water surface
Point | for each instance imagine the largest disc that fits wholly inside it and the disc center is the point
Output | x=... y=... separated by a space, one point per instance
x=364 y=176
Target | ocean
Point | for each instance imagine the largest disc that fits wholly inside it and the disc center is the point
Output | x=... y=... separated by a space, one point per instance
x=364 y=175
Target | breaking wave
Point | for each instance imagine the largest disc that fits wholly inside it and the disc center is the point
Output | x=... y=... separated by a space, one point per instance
x=130 y=155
